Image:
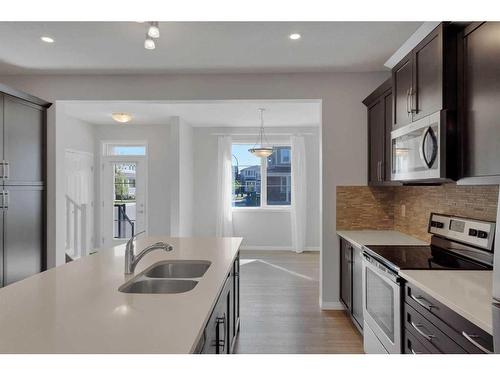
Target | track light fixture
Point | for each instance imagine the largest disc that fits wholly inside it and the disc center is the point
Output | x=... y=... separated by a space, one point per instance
x=152 y=33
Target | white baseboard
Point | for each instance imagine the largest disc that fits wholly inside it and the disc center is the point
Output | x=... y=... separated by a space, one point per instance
x=276 y=248
x=331 y=305
x=312 y=248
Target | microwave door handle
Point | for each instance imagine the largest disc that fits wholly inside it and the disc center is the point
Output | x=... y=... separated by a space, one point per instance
x=428 y=134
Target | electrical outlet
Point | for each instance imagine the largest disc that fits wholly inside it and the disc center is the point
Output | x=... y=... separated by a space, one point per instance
x=403 y=210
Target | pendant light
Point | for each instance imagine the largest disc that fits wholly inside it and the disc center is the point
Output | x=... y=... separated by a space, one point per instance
x=260 y=149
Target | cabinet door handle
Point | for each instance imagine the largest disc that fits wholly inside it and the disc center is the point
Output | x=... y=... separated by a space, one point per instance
x=422 y=333
x=5 y=169
x=471 y=338
x=6 y=200
x=408 y=102
x=221 y=320
x=420 y=300
x=412 y=93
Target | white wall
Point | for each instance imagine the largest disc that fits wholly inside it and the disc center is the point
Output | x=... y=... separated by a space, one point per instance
x=261 y=229
x=74 y=135
x=181 y=178
x=186 y=179
x=343 y=137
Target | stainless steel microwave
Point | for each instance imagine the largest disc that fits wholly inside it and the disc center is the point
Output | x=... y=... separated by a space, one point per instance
x=418 y=151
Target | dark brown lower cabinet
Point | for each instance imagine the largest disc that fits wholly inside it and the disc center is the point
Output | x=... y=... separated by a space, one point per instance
x=346 y=274
x=414 y=346
x=351 y=281
x=220 y=333
x=431 y=327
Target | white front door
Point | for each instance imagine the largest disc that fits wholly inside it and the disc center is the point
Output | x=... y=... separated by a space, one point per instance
x=124 y=182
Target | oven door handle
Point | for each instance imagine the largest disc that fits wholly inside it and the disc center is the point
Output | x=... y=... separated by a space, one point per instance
x=380 y=269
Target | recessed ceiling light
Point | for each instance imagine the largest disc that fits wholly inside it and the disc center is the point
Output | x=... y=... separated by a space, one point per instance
x=149 y=43
x=295 y=36
x=121 y=117
x=47 y=39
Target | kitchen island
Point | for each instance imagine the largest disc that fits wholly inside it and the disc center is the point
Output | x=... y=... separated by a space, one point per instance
x=77 y=307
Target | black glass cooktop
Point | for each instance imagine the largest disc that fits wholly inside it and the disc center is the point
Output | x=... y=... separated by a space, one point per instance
x=422 y=257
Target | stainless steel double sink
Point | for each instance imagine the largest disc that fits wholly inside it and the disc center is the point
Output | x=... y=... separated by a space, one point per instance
x=167 y=277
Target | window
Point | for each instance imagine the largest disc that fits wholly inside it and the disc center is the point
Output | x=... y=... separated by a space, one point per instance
x=285 y=155
x=246 y=177
x=279 y=177
x=261 y=182
x=124 y=202
x=111 y=149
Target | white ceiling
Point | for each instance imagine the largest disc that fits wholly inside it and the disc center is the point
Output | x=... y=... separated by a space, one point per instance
x=117 y=47
x=235 y=113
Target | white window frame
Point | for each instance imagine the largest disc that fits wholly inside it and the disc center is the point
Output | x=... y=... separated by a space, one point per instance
x=263 y=186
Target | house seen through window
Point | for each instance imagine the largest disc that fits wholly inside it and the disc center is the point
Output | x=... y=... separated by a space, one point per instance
x=261 y=182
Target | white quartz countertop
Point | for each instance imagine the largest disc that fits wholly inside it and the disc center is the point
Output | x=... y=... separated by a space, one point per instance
x=378 y=237
x=77 y=308
x=468 y=293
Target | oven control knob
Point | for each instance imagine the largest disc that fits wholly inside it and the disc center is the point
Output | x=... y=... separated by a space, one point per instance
x=473 y=232
x=482 y=234
x=439 y=225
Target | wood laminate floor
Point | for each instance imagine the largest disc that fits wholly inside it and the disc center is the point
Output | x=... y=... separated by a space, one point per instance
x=280 y=311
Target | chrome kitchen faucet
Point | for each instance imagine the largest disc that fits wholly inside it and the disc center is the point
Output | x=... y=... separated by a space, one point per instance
x=131 y=259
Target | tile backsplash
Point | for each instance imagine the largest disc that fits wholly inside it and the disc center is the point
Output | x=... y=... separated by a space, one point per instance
x=363 y=207
x=407 y=208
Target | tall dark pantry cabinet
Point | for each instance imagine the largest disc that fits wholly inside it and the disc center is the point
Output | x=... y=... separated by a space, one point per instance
x=23 y=185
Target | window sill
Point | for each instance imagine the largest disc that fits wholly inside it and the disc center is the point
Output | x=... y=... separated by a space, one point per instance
x=262 y=209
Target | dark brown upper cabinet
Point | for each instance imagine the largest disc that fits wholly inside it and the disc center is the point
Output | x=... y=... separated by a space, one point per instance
x=402 y=83
x=479 y=98
x=424 y=81
x=379 y=109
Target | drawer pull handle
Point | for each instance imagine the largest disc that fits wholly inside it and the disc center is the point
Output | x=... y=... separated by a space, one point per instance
x=422 y=302
x=471 y=338
x=422 y=333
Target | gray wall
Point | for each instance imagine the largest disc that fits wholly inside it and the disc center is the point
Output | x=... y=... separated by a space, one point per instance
x=344 y=136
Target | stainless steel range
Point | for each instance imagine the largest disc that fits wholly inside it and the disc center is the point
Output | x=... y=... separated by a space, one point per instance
x=456 y=243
